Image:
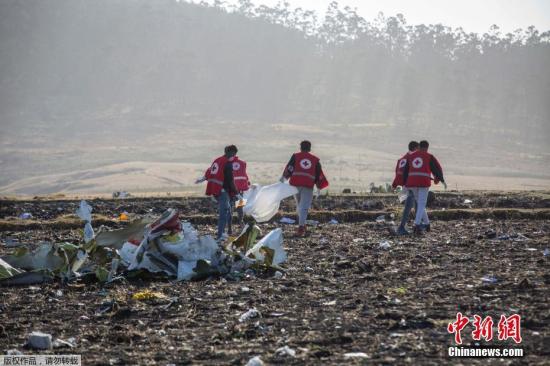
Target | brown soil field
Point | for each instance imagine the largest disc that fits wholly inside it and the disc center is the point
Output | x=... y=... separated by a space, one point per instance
x=340 y=291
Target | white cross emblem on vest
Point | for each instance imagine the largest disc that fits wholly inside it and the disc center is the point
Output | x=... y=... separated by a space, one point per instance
x=418 y=162
x=305 y=163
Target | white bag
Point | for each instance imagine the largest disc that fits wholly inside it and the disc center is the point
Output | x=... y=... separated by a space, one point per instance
x=262 y=203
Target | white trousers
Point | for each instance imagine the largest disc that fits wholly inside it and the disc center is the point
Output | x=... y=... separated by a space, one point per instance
x=421 y=197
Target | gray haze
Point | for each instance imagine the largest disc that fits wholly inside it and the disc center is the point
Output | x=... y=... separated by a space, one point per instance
x=141 y=94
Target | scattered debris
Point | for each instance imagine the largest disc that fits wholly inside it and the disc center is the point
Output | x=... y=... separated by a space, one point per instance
x=164 y=246
x=287 y=220
x=312 y=222
x=148 y=295
x=121 y=194
x=39 y=340
x=250 y=314
x=490 y=234
x=546 y=252
x=519 y=237
x=25 y=216
x=489 y=279
x=358 y=240
x=468 y=201
x=60 y=343
x=349 y=355
x=11 y=242
x=285 y=351
x=385 y=245
x=381 y=219
x=333 y=222
x=255 y=361
x=7 y=271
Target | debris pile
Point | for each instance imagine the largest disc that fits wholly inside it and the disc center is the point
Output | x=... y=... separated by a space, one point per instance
x=166 y=246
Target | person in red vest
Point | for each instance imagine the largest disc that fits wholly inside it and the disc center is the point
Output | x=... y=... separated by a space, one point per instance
x=304 y=172
x=417 y=176
x=221 y=186
x=398 y=181
x=242 y=183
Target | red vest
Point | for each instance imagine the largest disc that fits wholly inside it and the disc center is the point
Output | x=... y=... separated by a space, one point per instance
x=420 y=172
x=239 y=174
x=303 y=174
x=399 y=167
x=214 y=176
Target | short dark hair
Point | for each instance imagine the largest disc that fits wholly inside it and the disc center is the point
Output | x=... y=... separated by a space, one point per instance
x=231 y=149
x=305 y=145
x=413 y=145
x=424 y=144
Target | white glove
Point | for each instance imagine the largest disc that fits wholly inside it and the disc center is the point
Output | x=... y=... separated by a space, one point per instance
x=444 y=185
x=282 y=179
x=316 y=192
x=200 y=180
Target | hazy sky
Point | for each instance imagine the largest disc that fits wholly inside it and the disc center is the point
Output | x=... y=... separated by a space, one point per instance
x=472 y=15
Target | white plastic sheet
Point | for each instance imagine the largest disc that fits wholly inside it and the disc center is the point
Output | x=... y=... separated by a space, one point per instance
x=262 y=203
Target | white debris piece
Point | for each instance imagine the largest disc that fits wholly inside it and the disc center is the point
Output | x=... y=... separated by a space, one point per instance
x=39 y=340
x=250 y=314
x=287 y=220
x=285 y=351
x=274 y=241
x=85 y=211
x=255 y=361
x=88 y=233
x=349 y=355
x=385 y=245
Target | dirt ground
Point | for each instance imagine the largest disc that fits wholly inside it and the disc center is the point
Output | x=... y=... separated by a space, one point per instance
x=340 y=292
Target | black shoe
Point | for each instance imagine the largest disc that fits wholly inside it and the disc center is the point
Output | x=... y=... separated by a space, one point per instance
x=427 y=228
x=417 y=230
